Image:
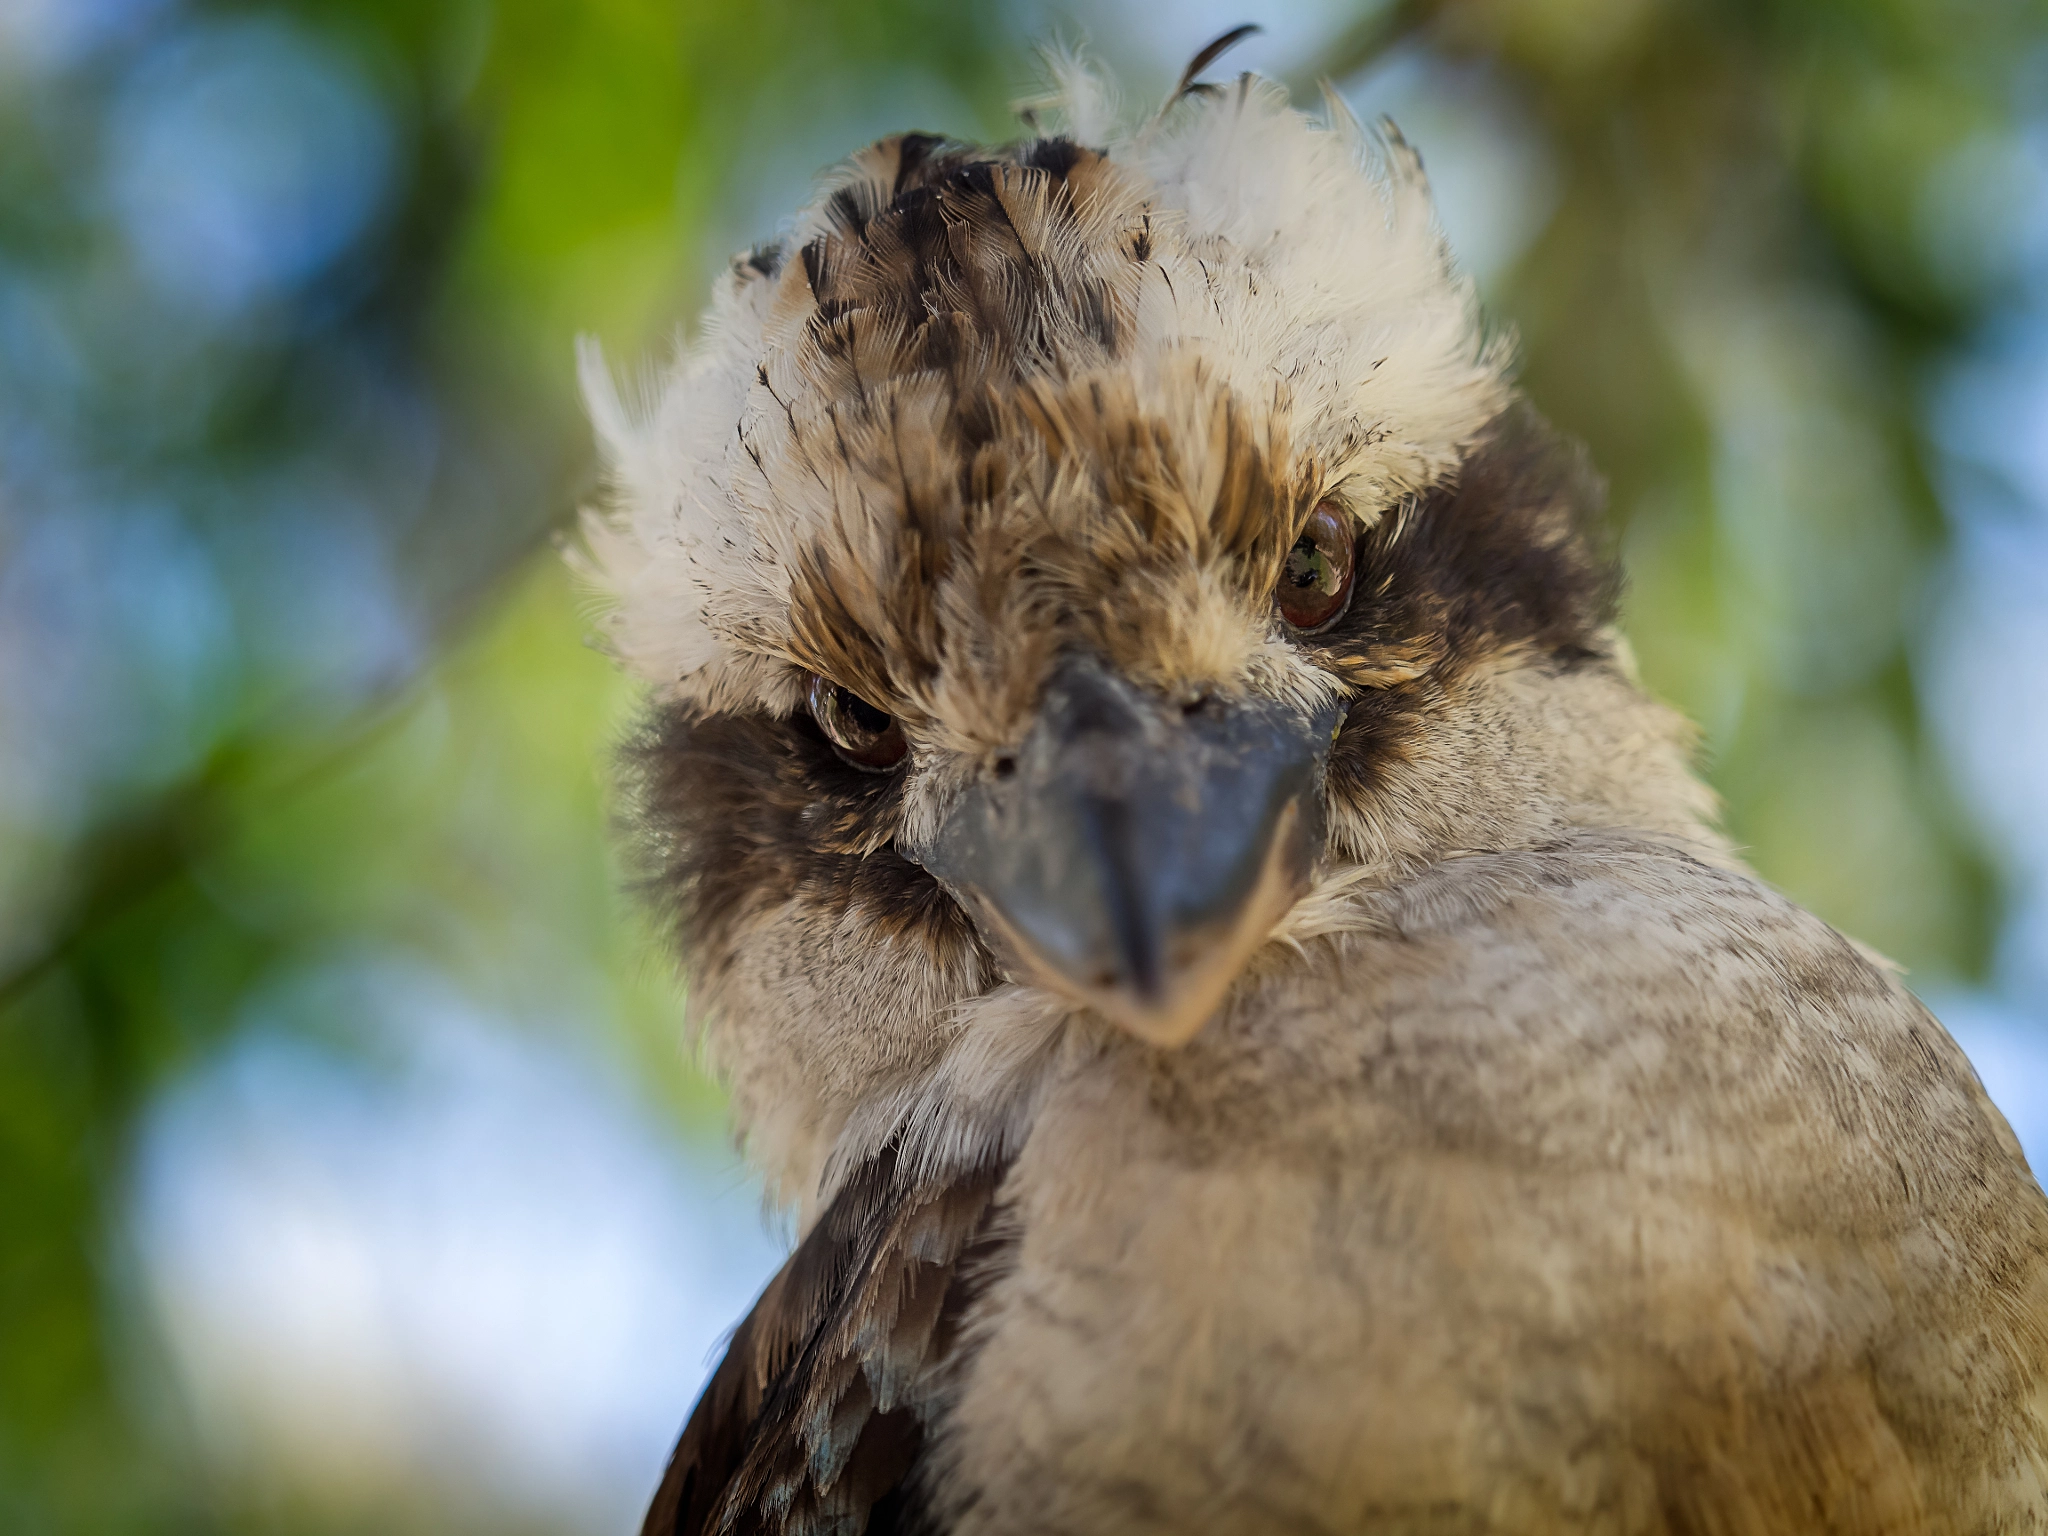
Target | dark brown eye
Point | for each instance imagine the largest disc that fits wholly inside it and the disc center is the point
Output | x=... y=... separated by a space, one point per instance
x=1315 y=584
x=865 y=736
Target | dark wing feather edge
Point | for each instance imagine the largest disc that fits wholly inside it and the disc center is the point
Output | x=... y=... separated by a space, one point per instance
x=815 y=1419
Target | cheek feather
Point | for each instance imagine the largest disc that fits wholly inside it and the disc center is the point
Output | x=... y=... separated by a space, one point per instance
x=1496 y=569
x=739 y=814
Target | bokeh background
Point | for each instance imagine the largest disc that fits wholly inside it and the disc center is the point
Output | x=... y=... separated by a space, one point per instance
x=352 y=1177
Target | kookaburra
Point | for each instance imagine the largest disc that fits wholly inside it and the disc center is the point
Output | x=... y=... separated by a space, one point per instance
x=1191 y=903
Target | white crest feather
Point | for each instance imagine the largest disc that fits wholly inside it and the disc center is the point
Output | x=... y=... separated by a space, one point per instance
x=1300 y=261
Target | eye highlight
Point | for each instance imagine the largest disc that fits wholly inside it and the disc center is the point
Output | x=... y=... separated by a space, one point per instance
x=858 y=731
x=1315 y=584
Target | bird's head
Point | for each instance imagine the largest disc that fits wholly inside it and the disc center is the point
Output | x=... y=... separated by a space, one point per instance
x=1056 y=561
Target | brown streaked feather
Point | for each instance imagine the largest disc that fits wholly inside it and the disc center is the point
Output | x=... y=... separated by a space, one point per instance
x=1082 y=486
x=815 y=1419
x=968 y=311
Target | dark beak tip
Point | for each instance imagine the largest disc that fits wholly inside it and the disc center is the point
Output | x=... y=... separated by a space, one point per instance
x=1148 y=991
x=1142 y=975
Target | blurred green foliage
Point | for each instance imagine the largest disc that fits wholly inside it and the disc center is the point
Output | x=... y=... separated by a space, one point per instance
x=1773 y=224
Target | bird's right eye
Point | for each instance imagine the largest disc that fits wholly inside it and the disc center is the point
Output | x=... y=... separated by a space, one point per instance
x=859 y=732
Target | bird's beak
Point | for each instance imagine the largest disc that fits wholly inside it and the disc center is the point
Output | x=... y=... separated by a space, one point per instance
x=1134 y=852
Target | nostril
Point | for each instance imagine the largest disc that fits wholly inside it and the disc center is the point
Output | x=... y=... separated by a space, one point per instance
x=1195 y=705
x=1005 y=766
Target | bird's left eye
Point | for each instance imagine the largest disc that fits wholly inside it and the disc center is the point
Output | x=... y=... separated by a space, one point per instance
x=1315 y=584
x=862 y=734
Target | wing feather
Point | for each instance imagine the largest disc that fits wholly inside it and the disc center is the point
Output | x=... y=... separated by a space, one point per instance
x=816 y=1417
